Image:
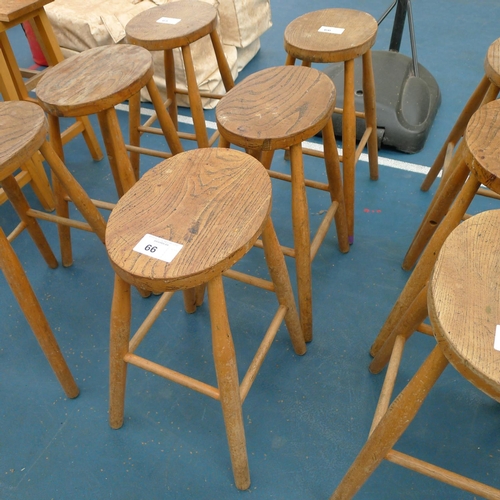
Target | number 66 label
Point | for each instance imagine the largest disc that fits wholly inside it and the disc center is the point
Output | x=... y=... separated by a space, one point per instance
x=158 y=248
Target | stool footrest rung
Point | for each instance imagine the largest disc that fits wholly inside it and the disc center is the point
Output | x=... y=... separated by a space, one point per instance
x=63 y=221
x=323 y=229
x=172 y=375
x=261 y=353
x=308 y=182
x=443 y=475
x=249 y=279
x=150 y=152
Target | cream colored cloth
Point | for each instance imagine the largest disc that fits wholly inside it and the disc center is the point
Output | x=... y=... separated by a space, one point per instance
x=82 y=25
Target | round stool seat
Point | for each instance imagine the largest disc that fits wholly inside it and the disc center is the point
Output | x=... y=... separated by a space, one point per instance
x=330 y=35
x=271 y=109
x=481 y=138
x=172 y=25
x=23 y=129
x=464 y=291
x=492 y=63
x=95 y=80
x=215 y=213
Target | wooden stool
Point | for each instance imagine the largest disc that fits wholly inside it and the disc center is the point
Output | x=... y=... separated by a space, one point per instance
x=167 y=27
x=340 y=36
x=23 y=126
x=23 y=130
x=480 y=153
x=463 y=305
x=450 y=156
x=210 y=206
x=12 y=85
x=279 y=108
x=94 y=81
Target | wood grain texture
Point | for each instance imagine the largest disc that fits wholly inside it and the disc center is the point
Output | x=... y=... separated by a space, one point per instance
x=492 y=63
x=197 y=19
x=482 y=139
x=464 y=300
x=95 y=80
x=214 y=202
x=276 y=108
x=11 y=10
x=24 y=128
x=304 y=41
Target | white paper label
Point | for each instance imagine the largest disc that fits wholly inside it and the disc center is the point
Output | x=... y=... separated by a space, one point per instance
x=158 y=248
x=168 y=20
x=331 y=29
x=496 y=344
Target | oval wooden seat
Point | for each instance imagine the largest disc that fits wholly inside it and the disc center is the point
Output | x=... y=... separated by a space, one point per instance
x=276 y=108
x=279 y=108
x=464 y=280
x=212 y=204
x=215 y=230
x=75 y=88
x=172 y=25
x=341 y=36
x=450 y=159
x=305 y=39
x=463 y=304
x=24 y=129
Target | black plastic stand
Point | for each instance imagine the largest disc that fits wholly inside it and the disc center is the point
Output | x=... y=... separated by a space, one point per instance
x=407 y=95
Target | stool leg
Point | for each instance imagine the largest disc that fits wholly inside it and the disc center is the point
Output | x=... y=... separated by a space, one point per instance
x=447 y=191
x=20 y=204
x=332 y=165
x=75 y=191
x=12 y=68
x=166 y=123
x=195 y=99
x=224 y=69
x=302 y=240
x=18 y=282
x=119 y=161
x=409 y=322
x=121 y=311
x=62 y=206
x=227 y=379
x=457 y=131
x=370 y=106
x=279 y=276
x=40 y=183
x=171 y=85
x=422 y=271
x=392 y=425
x=134 y=122
x=349 y=145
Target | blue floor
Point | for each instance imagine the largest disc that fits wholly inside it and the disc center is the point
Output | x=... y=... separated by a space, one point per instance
x=306 y=417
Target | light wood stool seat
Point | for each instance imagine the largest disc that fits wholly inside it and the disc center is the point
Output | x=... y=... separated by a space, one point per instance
x=212 y=204
x=278 y=108
x=177 y=25
x=341 y=36
x=23 y=129
x=451 y=155
x=12 y=84
x=93 y=82
x=480 y=166
x=463 y=300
